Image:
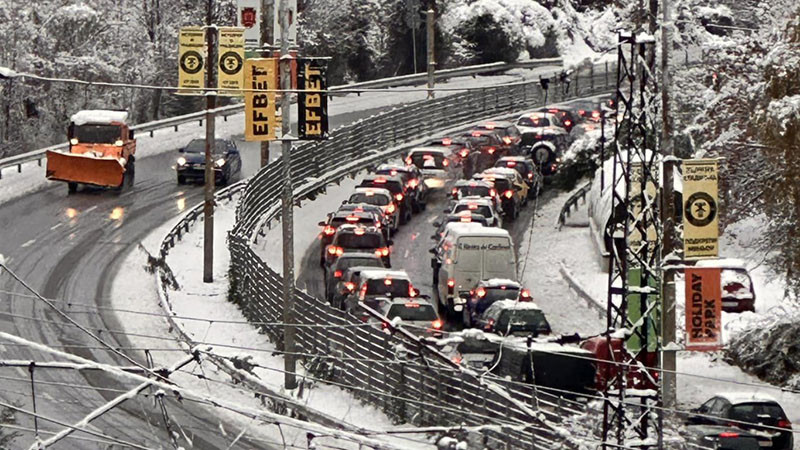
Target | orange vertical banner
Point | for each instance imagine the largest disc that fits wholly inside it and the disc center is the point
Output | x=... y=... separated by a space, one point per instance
x=703 y=309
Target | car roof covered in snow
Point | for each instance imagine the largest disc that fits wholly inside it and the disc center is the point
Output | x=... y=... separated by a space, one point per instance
x=737 y=398
x=474 y=229
x=483 y=183
x=723 y=263
x=492 y=124
x=373 y=190
x=99 y=117
x=497 y=282
x=513 y=304
x=474 y=199
x=373 y=274
x=438 y=150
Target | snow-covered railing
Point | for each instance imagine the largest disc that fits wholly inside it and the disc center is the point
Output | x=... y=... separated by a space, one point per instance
x=384 y=369
x=572 y=203
x=225 y=111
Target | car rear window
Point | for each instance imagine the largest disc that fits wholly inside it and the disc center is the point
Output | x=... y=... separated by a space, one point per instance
x=501 y=184
x=391 y=287
x=756 y=412
x=336 y=222
x=345 y=263
x=483 y=210
x=428 y=160
x=412 y=311
x=379 y=200
x=394 y=186
x=481 y=191
x=352 y=240
x=494 y=294
x=522 y=320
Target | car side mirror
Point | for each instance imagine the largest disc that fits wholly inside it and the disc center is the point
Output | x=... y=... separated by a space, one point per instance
x=432 y=251
x=322 y=223
x=390 y=242
x=71 y=131
x=181 y=150
x=130 y=135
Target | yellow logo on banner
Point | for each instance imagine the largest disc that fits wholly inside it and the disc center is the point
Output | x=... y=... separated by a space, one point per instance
x=231 y=61
x=700 y=208
x=191 y=60
x=260 y=118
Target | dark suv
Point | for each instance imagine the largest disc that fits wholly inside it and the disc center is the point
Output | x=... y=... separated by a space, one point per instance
x=191 y=165
x=510 y=137
x=337 y=219
x=752 y=412
x=415 y=184
x=356 y=238
x=397 y=187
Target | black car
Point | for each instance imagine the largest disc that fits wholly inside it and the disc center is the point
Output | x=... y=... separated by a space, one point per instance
x=337 y=219
x=527 y=169
x=397 y=187
x=508 y=317
x=358 y=239
x=335 y=273
x=488 y=149
x=568 y=118
x=461 y=217
x=192 y=162
x=460 y=147
x=753 y=412
x=715 y=437
x=414 y=180
x=384 y=221
x=486 y=292
x=510 y=137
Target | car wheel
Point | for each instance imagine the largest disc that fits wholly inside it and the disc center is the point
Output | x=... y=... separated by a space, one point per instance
x=181 y=179
x=415 y=207
x=72 y=188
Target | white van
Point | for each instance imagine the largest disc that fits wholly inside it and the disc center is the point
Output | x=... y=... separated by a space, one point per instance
x=466 y=254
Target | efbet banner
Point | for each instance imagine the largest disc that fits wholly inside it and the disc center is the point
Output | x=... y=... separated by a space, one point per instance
x=703 y=309
x=312 y=100
x=248 y=16
x=230 y=77
x=191 y=60
x=261 y=122
x=700 y=208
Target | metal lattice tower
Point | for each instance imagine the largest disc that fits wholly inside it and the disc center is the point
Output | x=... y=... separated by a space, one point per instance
x=634 y=280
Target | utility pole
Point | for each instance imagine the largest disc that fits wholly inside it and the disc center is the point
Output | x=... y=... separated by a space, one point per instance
x=290 y=382
x=669 y=385
x=211 y=103
x=265 y=54
x=429 y=16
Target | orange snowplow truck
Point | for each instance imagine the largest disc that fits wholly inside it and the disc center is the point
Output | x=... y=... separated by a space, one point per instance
x=101 y=151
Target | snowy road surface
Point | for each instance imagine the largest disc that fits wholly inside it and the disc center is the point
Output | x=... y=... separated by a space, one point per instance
x=71 y=248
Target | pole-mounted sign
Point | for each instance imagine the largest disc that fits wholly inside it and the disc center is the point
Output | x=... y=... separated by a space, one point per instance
x=248 y=16
x=312 y=101
x=703 y=309
x=700 y=208
x=231 y=61
x=261 y=123
x=191 y=60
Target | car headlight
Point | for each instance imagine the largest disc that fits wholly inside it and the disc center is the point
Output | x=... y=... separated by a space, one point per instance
x=220 y=162
x=181 y=161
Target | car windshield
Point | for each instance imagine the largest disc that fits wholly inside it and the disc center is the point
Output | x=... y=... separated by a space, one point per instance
x=529 y=320
x=390 y=287
x=97 y=134
x=428 y=160
x=480 y=191
x=533 y=122
x=352 y=240
x=756 y=412
x=199 y=146
x=497 y=293
x=379 y=200
x=483 y=210
x=412 y=311
x=345 y=263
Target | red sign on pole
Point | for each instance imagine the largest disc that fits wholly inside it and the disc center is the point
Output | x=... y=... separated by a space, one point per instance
x=703 y=309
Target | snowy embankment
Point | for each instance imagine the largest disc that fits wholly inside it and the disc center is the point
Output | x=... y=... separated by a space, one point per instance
x=700 y=375
x=203 y=312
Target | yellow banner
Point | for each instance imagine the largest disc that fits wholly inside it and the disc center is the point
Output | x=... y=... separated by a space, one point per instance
x=700 y=208
x=230 y=78
x=191 y=60
x=261 y=123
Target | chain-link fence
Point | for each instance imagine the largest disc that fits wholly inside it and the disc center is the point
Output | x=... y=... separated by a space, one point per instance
x=392 y=372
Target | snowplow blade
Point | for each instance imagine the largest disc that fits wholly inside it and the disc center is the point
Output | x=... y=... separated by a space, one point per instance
x=75 y=168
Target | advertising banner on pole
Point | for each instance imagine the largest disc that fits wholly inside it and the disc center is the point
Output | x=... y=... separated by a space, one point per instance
x=700 y=208
x=230 y=78
x=248 y=16
x=636 y=309
x=703 y=309
x=312 y=101
x=191 y=60
x=635 y=196
x=276 y=22
x=261 y=122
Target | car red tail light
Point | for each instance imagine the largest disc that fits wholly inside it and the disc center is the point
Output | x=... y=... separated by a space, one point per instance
x=352 y=218
x=399 y=197
x=481 y=292
x=328 y=230
x=337 y=274
x=359 y=231
x=530 y=175
x=447 y=141
x=490 y=150
x=380 y=181
x=525 y=295
x=411 y=291
x=454 y=192
x=409 y=161
x=472 y=206
x=476 y=133
x=729 y=434
x=783 y=423
x=350 y=286
x=387 y=281
x=332 y=250
x=508 y=193
x=511 y=164
x=553 y=167
x=383 y=251
x=489 y=325
x=464 y=153
x=507 y=140
x=437 y=324
x=385 y=325
x=451 y=283
x=567 y=122
x=581 y=112
x=492 y=193
x=412 y=183
x=595 y=114
x=466 y=219
x=446 y=162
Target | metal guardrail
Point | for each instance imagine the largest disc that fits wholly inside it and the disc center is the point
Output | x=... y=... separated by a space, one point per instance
x=572 y=203
x=225 y=111
x=368 y=360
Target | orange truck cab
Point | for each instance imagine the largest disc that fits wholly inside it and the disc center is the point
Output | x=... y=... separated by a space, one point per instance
x=101 y=151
